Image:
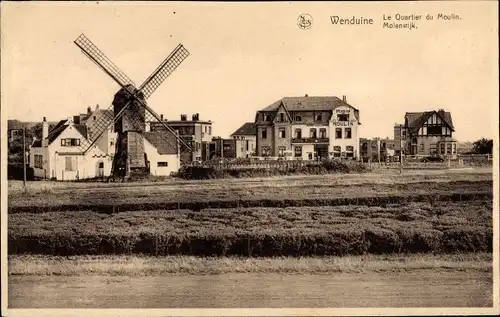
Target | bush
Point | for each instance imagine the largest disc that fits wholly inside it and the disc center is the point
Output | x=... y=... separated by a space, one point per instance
x=277 y=169
x=344 y=242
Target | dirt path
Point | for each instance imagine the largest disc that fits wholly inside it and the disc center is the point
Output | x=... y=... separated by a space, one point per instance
x=418 y=288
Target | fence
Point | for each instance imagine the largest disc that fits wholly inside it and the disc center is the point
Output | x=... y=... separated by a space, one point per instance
x=460 y=162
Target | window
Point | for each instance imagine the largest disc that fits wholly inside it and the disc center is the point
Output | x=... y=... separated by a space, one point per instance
x=266 y=151
x=247 y=147
x=162 y=164
x=298 y=118
x=434 y=130
x=349 y=151
x=264 y=134
x=342 y=117
x=454 y=149
x=322 y=133
x=336 y=151
x=70 y=142
x=348 y=133
x=282 y=117
x=282 y=133
x=442 y=148
x=101 y=164
x=38 y=161
x=433 y=149
x=338 y=133
x=319 y=117
x=312 y=133
x=111 y=143
x=421 y=149
x=281 y=151
x=298 y=151
x=70 y=166
x=448 y=148
x=298 y=133
x=210 y=130
x=267 y=117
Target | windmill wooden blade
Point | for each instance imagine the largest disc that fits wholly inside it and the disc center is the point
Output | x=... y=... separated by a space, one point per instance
x=98 y=57
x=101 y=125
x=151 y=121
x=164 y=70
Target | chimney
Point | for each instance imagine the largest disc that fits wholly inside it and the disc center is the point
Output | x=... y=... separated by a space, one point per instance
x=307 y=95
x=76 y=119
x=344 y=98
x=89 y=110
x=196 y=117
x=441 y=111
x=45 y=128
x=97 y=107
x=183 y=117
x=161 y=117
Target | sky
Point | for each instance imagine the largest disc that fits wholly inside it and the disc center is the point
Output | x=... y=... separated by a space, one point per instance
x=245 y=56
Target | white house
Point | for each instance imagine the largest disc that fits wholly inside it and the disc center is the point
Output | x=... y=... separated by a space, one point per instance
x=59 y=154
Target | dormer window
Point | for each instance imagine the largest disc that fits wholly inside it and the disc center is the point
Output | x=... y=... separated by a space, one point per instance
x=319 y=117
x=342 y=117
x=267 y=117
x=282 y=117
x=70 y=142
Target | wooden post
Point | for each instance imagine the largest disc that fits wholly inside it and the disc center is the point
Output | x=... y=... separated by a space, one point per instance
x=401 y=149
x=24 y=157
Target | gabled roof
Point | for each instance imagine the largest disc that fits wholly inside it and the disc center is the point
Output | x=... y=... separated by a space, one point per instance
x=59 y=128
x=164 y=141
x=309 y=103
x=416 y=119
x=248 y=128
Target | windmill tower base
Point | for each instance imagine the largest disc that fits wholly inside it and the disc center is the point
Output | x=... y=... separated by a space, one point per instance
x=130 y=160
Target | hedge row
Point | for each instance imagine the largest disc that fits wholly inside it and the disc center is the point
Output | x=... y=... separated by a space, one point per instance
x=351 y=242
x=287 y=168
x=278 y=203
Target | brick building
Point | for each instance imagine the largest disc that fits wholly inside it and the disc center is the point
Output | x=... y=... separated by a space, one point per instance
x=247 y=134
x=428 y=133
x=377 y=150
x=195 y=132
x=308 y=128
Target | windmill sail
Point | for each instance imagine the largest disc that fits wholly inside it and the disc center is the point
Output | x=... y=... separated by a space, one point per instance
x=166 y=68
x=101 y=60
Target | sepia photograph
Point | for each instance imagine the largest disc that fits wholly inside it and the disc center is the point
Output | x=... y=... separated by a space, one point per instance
x=253 y=158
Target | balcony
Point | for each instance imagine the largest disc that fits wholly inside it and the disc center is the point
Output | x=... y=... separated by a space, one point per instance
x=311 y=140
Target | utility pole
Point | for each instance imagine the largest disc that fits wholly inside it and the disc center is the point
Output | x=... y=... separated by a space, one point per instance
x=24 y=157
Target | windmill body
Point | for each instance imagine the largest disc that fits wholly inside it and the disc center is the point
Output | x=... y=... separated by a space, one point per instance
x=130 y=115
x=130 y=156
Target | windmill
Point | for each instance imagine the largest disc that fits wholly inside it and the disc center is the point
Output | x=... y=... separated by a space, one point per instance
x=129 y=115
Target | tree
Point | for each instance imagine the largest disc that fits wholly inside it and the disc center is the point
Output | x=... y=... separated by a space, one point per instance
x=483 y=146
x=16 y=146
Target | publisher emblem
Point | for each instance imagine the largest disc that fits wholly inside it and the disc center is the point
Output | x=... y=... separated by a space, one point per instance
x=304 y=21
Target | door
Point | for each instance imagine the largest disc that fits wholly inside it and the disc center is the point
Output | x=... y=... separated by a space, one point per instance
x=100 y=169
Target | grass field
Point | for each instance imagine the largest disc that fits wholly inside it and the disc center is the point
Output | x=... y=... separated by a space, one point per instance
x=295 y=216
x=133 y=265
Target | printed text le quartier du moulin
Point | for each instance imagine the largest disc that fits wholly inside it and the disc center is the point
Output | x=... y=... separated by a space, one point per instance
x=398 y=21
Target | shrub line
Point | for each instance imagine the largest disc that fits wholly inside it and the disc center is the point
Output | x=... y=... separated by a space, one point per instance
x=247 y=203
